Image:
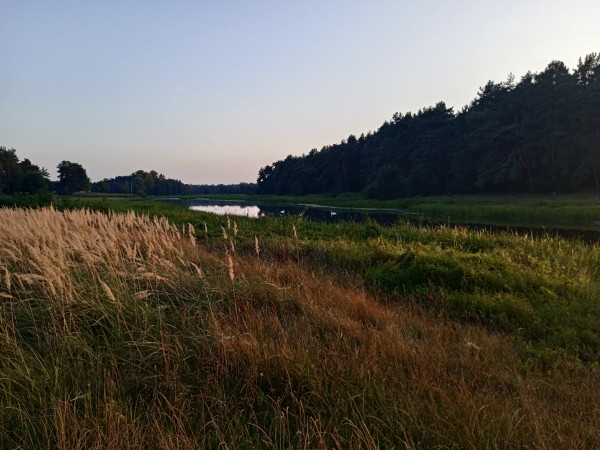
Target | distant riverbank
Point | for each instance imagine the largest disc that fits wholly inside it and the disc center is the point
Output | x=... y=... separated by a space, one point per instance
x=573 y=212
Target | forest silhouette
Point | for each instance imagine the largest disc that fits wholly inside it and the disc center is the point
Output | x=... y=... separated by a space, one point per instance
x=538 y=135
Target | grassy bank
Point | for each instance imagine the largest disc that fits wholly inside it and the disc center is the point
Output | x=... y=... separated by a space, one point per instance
x=576 y=211
x=543 y=290
x=572 y=211
x=123 y=330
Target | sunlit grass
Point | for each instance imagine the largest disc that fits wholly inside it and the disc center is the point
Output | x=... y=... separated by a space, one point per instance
x=124 y=330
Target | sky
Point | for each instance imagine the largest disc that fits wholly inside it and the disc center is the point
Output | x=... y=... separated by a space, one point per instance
x=209 y=92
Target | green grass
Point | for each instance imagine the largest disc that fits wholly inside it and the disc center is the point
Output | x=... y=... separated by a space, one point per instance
x=545 y=291
x=340 y=335
x=576 y=211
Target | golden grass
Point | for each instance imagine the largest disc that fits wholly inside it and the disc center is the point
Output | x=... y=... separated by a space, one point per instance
x=121 y=331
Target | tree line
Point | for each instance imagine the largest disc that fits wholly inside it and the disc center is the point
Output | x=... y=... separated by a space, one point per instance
x=141 y=183
x=23 y=183
x=540 y=134
x=26 y=184
x=18 y=176
x=152 y=183
x=223 y=189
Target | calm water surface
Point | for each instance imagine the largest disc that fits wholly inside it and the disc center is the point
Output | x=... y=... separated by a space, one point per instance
x=324 y=214
x=227 y=209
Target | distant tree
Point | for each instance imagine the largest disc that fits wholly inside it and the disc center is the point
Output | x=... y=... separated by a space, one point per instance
x=587 y=123
x=588 y=69
x=264 y=179
x=21 y=182
x=9 y=171
x=72 y=177
x=431 y=157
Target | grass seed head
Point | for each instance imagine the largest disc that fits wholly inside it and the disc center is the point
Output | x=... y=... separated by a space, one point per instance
x=230 y=267
x=198 y=270
x=107 y=291
x=7 y=279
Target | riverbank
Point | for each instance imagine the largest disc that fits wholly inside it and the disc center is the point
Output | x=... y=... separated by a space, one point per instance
x=543 y=212
x=576 y=211
x=120 y=330
x=503 y=279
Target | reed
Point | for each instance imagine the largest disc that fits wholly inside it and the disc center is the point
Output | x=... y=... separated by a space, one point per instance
x=123 y=330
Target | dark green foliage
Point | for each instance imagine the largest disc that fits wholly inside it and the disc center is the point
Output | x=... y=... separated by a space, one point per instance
x=223 y=189
x=72 y=177
x=21 y=182
x=540 y=134
x=26 y=200
x=141 y=183
x=388 y=184
x=415 y=271
x=9 y=171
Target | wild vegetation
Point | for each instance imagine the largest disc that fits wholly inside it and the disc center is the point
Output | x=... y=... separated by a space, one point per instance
x=223 y=189
x=569 y=211
x=141 y=183
x=539 y=134
x=25 y=184
x=22 y=182
x=128 y=330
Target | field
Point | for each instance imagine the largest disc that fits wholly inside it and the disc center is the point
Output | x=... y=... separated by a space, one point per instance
x=129 y=330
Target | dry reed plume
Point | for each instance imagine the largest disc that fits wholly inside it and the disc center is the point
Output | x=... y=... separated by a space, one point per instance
x=120 y=331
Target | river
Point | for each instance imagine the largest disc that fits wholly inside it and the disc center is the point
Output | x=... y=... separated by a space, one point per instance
x=381 y=216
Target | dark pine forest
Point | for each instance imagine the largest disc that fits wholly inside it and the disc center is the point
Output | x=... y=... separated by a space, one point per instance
x=538 y=135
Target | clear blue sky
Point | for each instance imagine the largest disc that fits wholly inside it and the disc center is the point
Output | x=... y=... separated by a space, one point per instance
x=210 y=91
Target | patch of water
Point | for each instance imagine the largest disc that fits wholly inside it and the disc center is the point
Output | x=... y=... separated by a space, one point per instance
x=232 y=210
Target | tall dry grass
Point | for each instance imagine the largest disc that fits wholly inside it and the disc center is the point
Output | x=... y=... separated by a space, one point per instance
x=121 y=331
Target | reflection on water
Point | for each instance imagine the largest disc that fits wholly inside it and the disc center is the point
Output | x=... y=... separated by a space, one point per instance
x=322 y=214
x=233 y=210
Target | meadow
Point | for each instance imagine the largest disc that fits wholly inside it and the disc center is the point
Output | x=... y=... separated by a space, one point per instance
x=167 y=328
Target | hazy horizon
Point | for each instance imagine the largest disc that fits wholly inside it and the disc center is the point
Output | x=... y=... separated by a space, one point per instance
x=209 y=93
